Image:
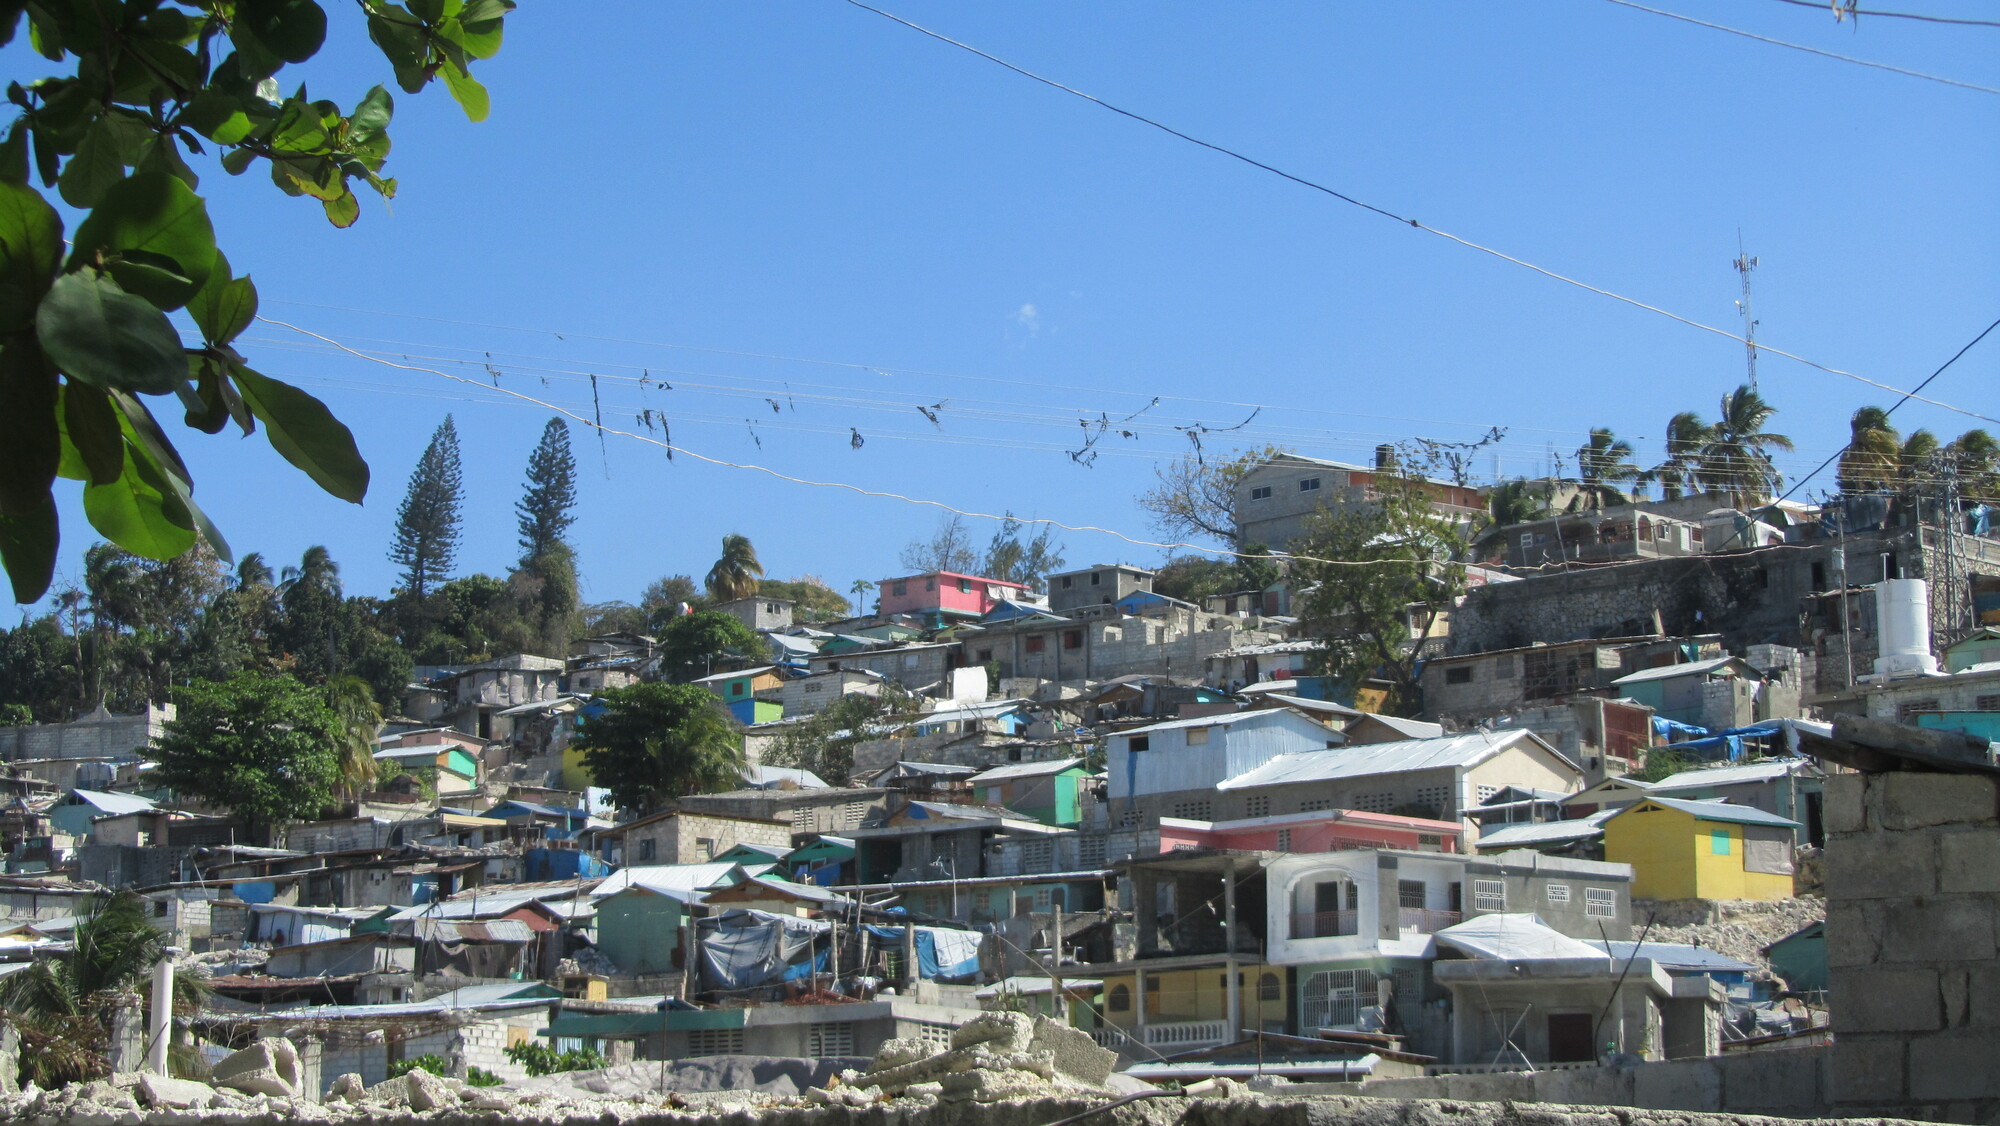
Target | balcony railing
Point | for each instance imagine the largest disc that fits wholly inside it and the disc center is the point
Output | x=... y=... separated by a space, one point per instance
x=1178 y=1035
x=1426 y=921
x=1324 y=924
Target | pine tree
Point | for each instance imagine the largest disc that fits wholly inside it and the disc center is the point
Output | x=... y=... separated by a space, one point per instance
x=427 y=524
x=545 y=508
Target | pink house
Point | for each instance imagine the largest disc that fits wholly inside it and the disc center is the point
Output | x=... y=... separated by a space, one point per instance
x=948 y=592
x=1329 y=830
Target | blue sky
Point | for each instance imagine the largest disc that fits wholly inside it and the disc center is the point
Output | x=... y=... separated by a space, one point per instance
x=804 y=202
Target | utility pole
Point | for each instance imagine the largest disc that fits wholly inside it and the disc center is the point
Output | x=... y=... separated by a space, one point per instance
x=1744 y=264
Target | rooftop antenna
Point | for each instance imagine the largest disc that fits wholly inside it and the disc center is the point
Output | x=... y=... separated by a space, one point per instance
x=1744 y=264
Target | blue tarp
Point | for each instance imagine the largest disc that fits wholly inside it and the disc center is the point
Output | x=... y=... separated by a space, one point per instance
x=746 y=949
x=1665 y=728
x=941 y=951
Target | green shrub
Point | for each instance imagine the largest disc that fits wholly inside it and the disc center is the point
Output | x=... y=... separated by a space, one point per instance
x=542 y=1059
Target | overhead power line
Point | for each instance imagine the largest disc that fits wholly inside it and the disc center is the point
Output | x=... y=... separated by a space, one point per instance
x=1401 y=219
x=1806 y=49
x=1892 y=409
x=1849 y=11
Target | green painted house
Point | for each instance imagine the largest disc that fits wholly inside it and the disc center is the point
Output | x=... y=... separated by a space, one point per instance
x=639 y=928
x=1048 y=792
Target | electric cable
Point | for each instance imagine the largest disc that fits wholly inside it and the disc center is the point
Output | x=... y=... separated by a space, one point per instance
x=1806 y=49
x=1401 y=219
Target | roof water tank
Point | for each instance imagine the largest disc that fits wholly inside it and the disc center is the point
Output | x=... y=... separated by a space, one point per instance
x=1903 y=616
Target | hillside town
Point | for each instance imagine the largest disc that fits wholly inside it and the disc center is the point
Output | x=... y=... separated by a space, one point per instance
x=1591 y=839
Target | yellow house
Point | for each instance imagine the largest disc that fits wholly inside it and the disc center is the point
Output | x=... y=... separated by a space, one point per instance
x=1701 y=850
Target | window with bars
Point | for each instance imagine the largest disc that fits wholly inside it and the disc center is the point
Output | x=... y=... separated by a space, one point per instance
x=1268 y=988
x=1284 y=840
x=1557 y=893
x=1090 y=852
x=1315 y=805
x=1437 y=798
x=935 y=1035
x=1489 y=895
x=1335 y=998
x=802 y=819
x=1259 y=806
x=830 y=1038
x=1600 y=903
x=1195 y=810
x=1037 y=856
x=715 y=1042
x=1986 y=703
x=1908 y=708
x=1410 y=893
x=1375 y=803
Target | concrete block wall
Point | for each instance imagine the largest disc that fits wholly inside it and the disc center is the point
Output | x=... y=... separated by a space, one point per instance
x=1913 y=949
x=1784 y=1083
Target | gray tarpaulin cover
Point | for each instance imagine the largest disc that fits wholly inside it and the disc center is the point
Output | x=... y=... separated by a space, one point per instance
x=745 y=949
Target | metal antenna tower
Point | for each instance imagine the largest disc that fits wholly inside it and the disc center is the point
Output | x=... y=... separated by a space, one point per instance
x=1744 y=264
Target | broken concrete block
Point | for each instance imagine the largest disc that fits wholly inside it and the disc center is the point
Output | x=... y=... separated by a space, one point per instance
x=162 y=1093
x=999 y=1031
x=427 y=1092
x=992 y=1086
x=348 y=1088
x=268 y=1067
x=899 y=1051
x=1075 y=1055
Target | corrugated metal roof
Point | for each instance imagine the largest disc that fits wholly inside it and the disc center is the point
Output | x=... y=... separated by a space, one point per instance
x=489 y=930
x=115 y=803
x=1716 y=811
x=1691 y=668
x=1546 y=832
x=1369 y=759
x=1673 y=955
x=669 y=877
x=1728 y=775
x=1025 y=770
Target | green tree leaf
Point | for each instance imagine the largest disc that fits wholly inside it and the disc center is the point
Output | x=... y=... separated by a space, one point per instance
x=470 y=95
x=292 y=29
x=219 y=117
x=139 y=513
x=96 y=332
x=225 y=306
x=96 y=166
x=91 y=424
x=28 y=550
x=371 y=116
x=342 y=212
x=156 y=213
x=30 y=247
x=29 y=387
x=302 y=430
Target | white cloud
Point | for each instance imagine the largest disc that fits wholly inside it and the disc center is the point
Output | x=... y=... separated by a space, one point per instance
x=1029 y=318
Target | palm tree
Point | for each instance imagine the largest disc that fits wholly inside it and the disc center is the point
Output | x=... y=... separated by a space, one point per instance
x=861 y=589
x=62 y=1003
x=1601 y=461
x=1978 y=456
x=736 y=574
x=1869 y=462
x=1914 y=456
x=360 y=720
x=1509 y=503
x=1734 y=461
x=1680 y=473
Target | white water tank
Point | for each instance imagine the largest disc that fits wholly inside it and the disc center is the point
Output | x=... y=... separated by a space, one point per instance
x=1903 y=620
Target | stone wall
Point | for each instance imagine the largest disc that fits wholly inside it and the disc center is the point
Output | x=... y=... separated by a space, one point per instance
x=1913 y=892
x=99 y=734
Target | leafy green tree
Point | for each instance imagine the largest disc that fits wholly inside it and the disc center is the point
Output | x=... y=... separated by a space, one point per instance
x=737 y=573
x=1395 y=569
x=85 y=338
x=662 y=600
x=824 y=742
x=263 y=747
x=695 y=645
x=39 y=670
x=1195 y=499
x=596 y=619
x=1736 y=461
x=544 y=509
x=1662 y=762
x=1192 y=578
x=62 y=1003
x=359 y=719
x=1978 y=458
x=543 y=1059
x=1010 y=558
x=427 y=524
x=1602 y=464
x=1680 y=473
x=1869 y=463
x=654 y=742
x=812 y=599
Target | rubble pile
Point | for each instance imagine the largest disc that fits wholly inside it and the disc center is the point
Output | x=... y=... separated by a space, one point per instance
x=993 y=1057
x=222 y=963
x=1738 y=929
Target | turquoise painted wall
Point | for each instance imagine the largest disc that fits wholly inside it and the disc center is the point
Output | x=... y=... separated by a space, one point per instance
x=640 y=930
